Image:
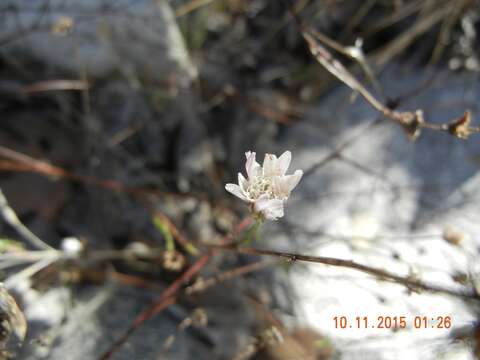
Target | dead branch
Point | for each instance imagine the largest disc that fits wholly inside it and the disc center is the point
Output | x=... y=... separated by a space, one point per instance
x=411 y=121
x=410 y=282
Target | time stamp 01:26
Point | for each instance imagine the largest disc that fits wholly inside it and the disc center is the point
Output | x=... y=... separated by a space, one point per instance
x=392 y=322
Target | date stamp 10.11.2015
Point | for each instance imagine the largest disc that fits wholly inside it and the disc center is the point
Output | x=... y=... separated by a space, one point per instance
x=392 y=322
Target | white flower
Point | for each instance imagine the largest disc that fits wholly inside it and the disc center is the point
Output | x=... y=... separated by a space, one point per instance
x=266 y=187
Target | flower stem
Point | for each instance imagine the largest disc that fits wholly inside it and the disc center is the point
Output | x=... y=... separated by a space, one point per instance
x=252 y=232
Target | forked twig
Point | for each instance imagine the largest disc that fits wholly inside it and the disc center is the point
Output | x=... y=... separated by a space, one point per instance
x=412 y=121
x=169 y=296
x=203 y=284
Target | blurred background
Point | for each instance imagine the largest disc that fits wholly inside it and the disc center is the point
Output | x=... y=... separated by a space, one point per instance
x=122 y=120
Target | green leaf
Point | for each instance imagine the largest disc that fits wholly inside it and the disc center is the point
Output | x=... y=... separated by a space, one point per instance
x=164 y=229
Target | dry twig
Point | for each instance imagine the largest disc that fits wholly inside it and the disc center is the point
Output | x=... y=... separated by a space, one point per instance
x=12 y=219
x=412 y=121
x=410 y=282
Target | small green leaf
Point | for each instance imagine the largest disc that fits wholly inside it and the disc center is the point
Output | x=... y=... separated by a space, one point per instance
x=167 y=234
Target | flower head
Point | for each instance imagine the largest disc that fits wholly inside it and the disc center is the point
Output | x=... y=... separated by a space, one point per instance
x=266 y=187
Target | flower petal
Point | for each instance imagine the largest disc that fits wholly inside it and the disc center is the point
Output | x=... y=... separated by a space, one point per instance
x=269 y=165
x=252 y=166
x=293 y=180
x=250 y=160
x=236 y=190
x=283 y=163
x=281 y=187
x=242 y=182
x=272 y=209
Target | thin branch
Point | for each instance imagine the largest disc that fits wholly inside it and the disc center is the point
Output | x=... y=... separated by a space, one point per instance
x=362 y=11
x=412 y=121
x=354 y=52
x=404 y=12
x=422 y=25
x=29 y=271
x=203 y=284
x=409 y=281
x=167 y=298
x=12 y=219
x=17 y=161
x=55 y=85
x=340 y=148
x=446 y=30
